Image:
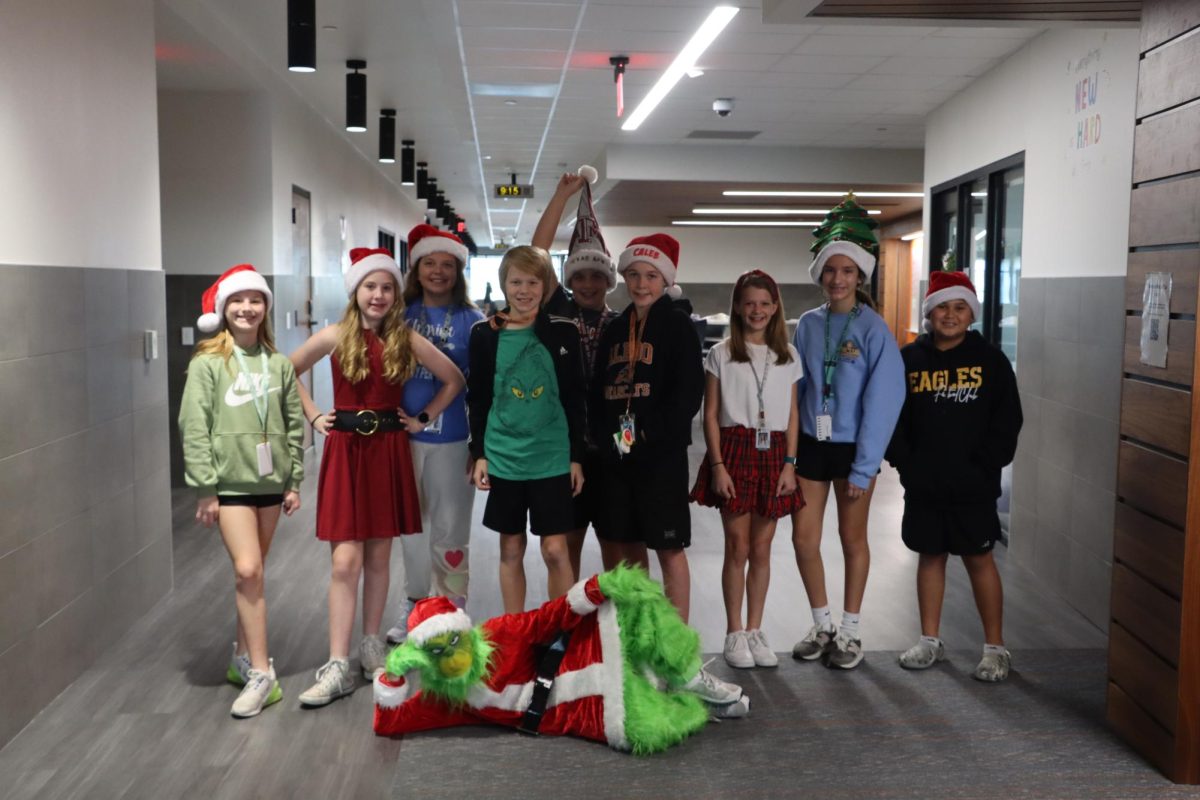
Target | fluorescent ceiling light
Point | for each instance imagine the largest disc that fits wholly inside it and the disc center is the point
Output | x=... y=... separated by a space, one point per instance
x=768 y=212
x=980 y=235
x=908 y=237
x=686 y=60
x=751 y=193
x=745 y=223
x=514 y=89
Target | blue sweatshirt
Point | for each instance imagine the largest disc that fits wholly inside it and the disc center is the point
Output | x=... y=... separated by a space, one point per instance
x=868 y=384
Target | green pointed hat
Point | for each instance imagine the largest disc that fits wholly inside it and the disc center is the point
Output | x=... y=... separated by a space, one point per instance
x=849 y=231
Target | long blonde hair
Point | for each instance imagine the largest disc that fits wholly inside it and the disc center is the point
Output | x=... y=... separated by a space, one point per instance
x=221 y=343
x=775 y=335
x=399 y=363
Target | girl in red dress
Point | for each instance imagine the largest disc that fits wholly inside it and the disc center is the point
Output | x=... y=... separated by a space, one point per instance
x=366 y=494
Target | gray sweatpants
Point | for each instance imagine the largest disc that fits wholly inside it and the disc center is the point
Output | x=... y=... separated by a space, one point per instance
x=440 y=553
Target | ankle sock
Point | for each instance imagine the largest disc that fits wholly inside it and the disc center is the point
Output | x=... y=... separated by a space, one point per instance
x=932 y=641
x=823 y=618
x=850 y=624
x=997 y=649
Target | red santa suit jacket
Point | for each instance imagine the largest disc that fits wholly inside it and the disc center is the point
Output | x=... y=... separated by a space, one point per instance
x=586 y=700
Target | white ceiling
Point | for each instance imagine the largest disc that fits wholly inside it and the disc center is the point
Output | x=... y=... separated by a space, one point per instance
x=808 y=85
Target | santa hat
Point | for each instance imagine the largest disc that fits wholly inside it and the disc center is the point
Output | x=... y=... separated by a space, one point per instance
x=425 y=239
x=434 y=616
x=849 y=231
x=364 y=261
x=587 y=249
x=241 y=278
x=658 y=250
x=947 y=286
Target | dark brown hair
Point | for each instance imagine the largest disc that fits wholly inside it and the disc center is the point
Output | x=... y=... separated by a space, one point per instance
x=775 y=335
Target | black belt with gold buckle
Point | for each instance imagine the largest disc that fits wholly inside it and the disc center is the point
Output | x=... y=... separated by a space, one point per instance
x=367 y=421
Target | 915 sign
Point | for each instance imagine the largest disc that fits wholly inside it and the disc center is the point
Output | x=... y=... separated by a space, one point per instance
x=522 y=190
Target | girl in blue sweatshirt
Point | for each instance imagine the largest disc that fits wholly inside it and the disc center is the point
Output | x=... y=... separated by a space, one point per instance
x=850 y=398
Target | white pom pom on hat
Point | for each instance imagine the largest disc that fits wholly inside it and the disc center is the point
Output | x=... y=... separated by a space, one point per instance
x=588 y=173
x=242 y=278
x=587 y=249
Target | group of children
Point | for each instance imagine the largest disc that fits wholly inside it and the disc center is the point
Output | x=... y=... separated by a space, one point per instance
x=569 y=414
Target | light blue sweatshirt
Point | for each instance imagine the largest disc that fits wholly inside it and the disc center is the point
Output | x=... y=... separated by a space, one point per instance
x=868 y=384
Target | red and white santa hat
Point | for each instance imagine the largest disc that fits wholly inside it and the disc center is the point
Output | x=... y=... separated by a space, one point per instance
x=945 y=286
x=425 y=239
x=587 y=249
x=660 y=251
x=242 y=278
x=434 y=616
x=364 y=261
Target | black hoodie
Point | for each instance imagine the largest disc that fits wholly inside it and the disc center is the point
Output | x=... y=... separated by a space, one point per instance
x=959 y=424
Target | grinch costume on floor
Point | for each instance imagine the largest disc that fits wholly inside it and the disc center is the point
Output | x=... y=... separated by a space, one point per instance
x=611 y=661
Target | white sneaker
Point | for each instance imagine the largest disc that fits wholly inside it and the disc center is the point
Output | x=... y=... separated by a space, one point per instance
x=713 y=690
x=763 y=655
x=261 y=691
x=923 y=655
x=737 y=651
x=399 y=632
x=738 y=708
x=372 y=656
x=239 y=666
x=333 y=681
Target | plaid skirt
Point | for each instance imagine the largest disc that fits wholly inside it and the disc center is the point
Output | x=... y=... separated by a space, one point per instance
x=755 y=474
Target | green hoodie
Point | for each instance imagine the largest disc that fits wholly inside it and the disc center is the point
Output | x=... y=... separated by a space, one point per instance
x=220 y=426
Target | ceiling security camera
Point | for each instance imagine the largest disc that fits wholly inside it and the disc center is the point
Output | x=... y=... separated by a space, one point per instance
x=723 y=106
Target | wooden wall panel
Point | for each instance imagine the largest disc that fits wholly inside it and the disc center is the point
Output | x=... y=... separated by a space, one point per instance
x=1150 y=613
x=1149 y=681
x=1166 y=19
x=1156 y=415
x=1166 y=213
x=1153 y=482
x=1167 y=145
x=1181 y=347
x=1169 y=76
x=1140 y=730
x=1184 y=266
x=1150 y=548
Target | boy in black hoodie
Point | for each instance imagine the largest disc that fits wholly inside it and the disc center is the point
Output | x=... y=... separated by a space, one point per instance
x=957 y=431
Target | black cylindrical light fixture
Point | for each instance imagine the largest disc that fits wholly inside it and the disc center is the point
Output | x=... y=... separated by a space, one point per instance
x=439 y=205
x=387 y=136
x=302 y=35
x=431 y=193
x=422 y=180
x=407 y=158
x=356 y=96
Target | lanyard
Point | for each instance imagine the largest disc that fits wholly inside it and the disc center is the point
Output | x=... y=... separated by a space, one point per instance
x=259 y=398
x=760 y=384
x=443 y=331
x=831 y=357
x=636 y=328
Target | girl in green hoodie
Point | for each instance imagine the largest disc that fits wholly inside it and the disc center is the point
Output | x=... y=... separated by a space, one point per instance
x=242 y=429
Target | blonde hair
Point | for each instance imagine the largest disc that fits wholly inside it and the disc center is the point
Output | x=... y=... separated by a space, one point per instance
x=532 y=261
x=221 y=343
x=775 y=335
x=399 y=363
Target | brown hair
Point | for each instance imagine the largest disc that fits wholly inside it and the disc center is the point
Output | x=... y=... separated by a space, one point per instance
x=458 y=294
x=532 y=261
x=775 y=336
x=399 y=363
x=860 y=294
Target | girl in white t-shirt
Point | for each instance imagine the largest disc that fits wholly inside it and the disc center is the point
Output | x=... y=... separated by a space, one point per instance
x=751 y=426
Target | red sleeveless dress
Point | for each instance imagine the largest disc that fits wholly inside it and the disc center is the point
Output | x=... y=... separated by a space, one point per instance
x=366 y=489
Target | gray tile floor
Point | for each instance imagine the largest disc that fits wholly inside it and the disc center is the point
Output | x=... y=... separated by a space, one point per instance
x=151 y=718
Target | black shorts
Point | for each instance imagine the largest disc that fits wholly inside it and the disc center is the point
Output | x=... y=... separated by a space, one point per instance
x=587 y=503
x=252 y=500
x=545 y=502
x=646 y=500
x=962 y=530
x=824 y=461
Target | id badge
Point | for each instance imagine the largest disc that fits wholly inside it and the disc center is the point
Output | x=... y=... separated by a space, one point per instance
x=824 y=427
x=435 y=425
x=627 y=435
x=762 y=439
x=265 y=464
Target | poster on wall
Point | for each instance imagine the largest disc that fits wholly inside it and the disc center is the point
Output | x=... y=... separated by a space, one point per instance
x=1156 y=308
x=1087 y=87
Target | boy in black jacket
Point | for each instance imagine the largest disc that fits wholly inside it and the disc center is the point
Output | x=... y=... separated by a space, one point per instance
x=957 y=431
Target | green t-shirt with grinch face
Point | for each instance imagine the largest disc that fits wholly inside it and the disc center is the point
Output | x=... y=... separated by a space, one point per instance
x=526 y=436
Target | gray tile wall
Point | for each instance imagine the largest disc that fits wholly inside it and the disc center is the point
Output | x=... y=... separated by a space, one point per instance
x=85 y=512
x=1069 y=352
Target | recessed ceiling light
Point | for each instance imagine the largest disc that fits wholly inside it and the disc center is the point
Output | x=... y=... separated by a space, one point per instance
x=510 y=102
x=750 y=193
x=487 y=158
x=329 y=27
x=745 y=223
x=768 y=212
x=695 y=72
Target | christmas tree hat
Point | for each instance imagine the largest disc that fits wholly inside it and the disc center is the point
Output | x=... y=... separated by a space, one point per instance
x=849 y=231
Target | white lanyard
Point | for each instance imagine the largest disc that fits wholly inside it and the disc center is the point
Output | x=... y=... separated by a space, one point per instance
x=259 y=398
x=760 y=384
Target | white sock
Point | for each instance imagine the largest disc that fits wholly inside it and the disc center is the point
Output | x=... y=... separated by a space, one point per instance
x=932 y=641
x=997 y=649
x=823 y=618
x=850 y=625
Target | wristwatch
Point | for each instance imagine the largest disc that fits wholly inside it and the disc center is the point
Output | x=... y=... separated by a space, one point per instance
x=789 y=460
x=423 y=418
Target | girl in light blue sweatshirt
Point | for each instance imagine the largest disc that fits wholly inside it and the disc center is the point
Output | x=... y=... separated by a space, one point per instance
x=850 y=398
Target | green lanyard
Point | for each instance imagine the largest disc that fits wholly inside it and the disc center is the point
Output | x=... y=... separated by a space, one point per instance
x=260 y=398
x=831 y=357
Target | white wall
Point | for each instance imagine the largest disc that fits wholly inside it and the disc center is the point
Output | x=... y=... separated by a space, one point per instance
x=79 y=163
x=1076 y=198
x=216 y=181
x=719 y=255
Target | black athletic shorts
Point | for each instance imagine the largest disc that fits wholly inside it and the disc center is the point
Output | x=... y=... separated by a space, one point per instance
x=962 y=530
x=544 y=502
x=587 y=503
x=824 y=461
x=646 y=500
x=252 y=500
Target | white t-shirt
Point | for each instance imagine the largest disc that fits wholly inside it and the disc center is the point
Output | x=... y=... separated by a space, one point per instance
x=739 y=388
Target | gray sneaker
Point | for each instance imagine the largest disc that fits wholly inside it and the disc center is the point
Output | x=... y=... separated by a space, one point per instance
x=737 y=650
x=713 y=690
x=814 y=645
x=333 y=681
x=399 y=632
x=993 y=667
x=239 y=666
x=261 y=691
x=923 y=655
x=372 y=656
x=738 y=708
x=845 y=653
x=764 y=656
